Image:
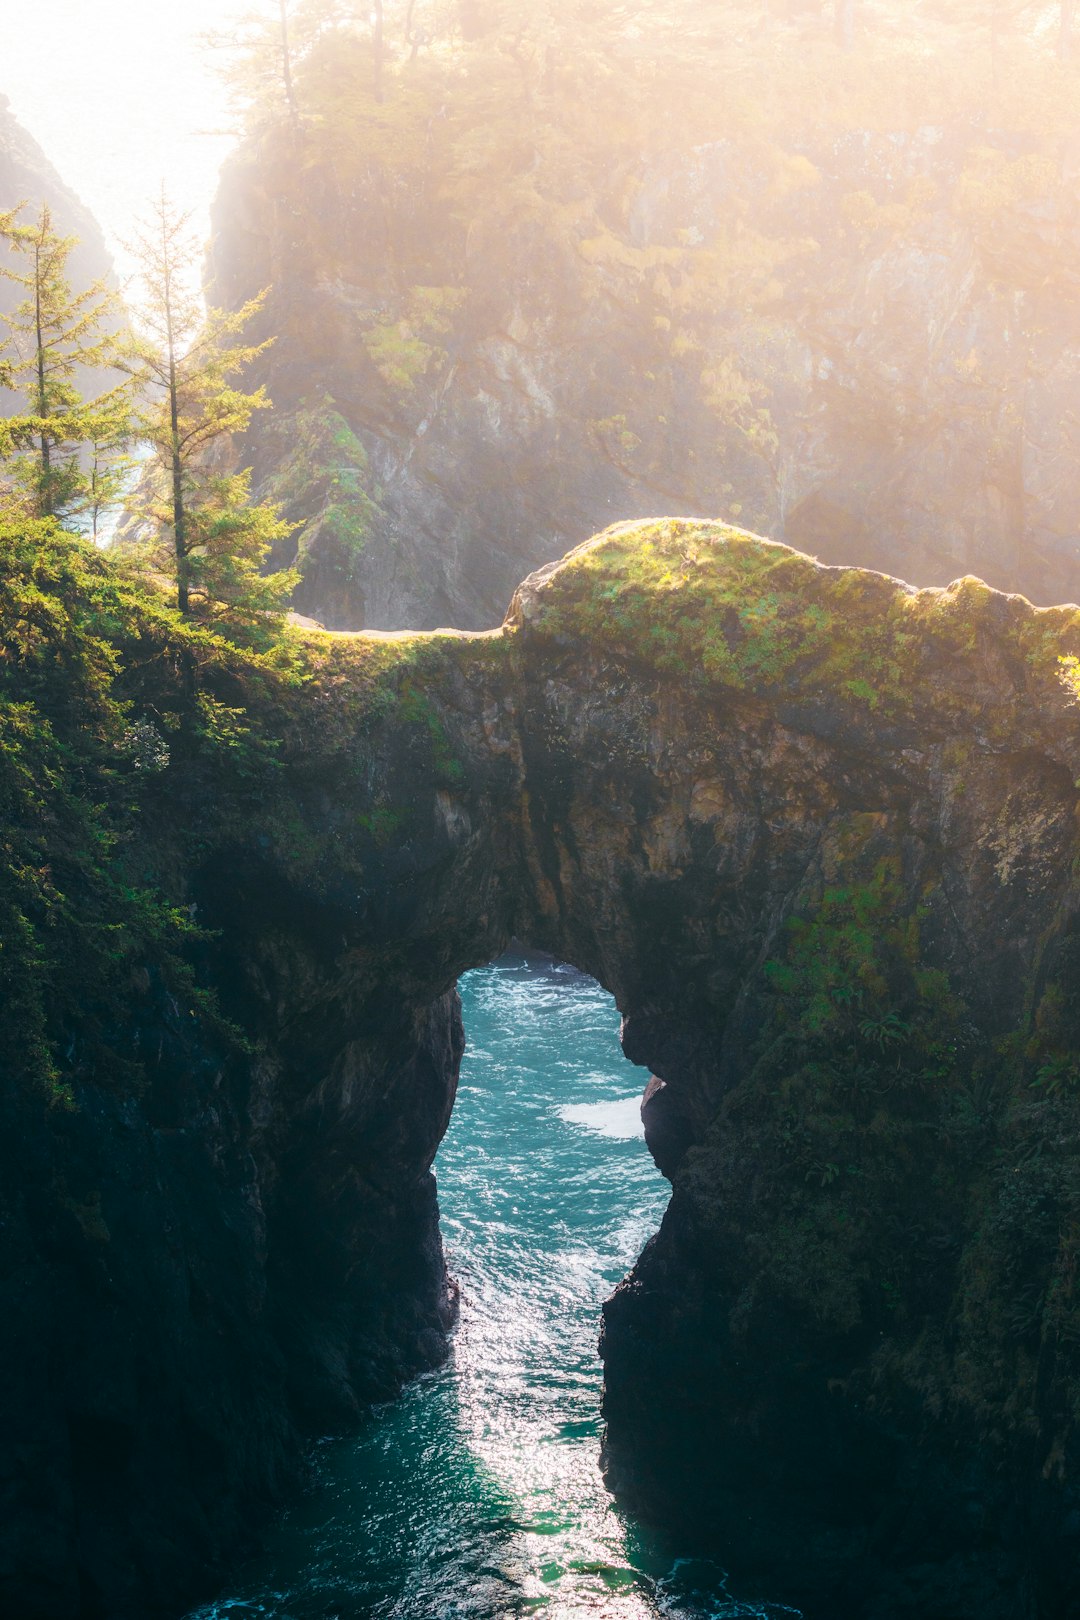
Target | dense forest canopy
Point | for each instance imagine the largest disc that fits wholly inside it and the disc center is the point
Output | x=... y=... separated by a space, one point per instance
x=735 y=60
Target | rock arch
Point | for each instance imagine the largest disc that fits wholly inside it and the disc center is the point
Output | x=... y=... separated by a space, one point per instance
x=748 y=795
x=817 y=833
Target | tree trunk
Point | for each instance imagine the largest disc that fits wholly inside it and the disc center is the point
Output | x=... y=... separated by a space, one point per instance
x=179 y=537
x=42 y=392
x=377 y=47
x=175 y=456
x=286 y=66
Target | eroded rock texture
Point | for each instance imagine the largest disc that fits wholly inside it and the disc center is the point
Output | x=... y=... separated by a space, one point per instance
x=817 y=834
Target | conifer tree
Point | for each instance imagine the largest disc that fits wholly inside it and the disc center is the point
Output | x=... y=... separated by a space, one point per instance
x=187 y=361
x=56 y=335
x=260 y=53
x=286 y=61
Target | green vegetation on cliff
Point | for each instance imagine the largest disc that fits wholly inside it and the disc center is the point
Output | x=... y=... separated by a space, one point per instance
x=134 y=744
x=723 y=608
x=65 y=453
x=868 y=1083
x=109 y=701
x=187 y=363
x=911 y=1159
x=322 y=481
x=844 y=930
x=66 y=457
x=115 y=707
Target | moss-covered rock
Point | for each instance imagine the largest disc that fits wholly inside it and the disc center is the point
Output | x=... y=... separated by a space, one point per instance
x=817 y=833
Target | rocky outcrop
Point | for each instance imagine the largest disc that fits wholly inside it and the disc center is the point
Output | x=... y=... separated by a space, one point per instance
x=816 y=831
x=860 y=340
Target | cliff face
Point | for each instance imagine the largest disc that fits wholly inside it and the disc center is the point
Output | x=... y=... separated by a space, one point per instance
x=859 y=339
x=817 y=834
x=26 y=175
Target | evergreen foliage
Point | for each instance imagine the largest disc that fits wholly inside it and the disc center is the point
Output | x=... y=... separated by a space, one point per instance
x=187 y=364
x=111 y=707
x=56 y=337
x=72 y=753
x=320 y=481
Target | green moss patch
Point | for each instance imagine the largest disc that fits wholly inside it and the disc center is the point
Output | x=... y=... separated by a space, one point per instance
x=726 y=609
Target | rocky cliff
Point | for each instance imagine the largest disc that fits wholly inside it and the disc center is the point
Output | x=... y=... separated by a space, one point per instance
x=814 y=829
x=519 y=298
x=26 y=175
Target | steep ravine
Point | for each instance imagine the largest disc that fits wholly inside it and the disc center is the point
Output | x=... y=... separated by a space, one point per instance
x=816 y=832
x=477 y=1492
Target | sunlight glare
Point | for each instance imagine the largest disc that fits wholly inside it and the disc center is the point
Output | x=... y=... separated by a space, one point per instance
x=156 y=105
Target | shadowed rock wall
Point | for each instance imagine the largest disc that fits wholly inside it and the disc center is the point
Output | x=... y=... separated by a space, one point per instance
x=817 y=834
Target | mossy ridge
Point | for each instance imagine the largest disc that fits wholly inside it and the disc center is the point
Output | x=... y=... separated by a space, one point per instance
x=367 y=671
x=729 y=609
x=380 y=695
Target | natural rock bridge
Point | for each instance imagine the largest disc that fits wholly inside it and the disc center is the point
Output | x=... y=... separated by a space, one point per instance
x=817 y=833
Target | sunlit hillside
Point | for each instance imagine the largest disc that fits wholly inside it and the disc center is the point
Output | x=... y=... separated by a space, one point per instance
x=539 y=266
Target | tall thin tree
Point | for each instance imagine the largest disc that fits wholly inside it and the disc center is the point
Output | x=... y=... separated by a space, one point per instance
x=286 y=64
x=187 y=361
x=55 y=338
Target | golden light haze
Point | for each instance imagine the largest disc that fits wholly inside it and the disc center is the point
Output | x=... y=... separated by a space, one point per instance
x=119 y=95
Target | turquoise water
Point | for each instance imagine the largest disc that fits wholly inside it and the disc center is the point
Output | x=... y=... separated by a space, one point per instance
x=477 y=1495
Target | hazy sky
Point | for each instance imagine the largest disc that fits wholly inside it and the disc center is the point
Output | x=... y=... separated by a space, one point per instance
x=116 y=93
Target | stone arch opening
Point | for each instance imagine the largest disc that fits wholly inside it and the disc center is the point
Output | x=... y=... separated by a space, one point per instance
x=704 y=826
x=817 y=833
x=485 y=1475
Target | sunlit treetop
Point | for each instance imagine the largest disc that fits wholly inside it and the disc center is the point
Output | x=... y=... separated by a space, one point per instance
x=870 y=63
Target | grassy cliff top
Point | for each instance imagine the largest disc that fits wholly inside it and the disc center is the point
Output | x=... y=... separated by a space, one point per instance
x=729 y=612
x=725 y=609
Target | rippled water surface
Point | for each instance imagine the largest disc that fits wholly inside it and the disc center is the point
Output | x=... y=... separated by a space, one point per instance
x=477 y=1494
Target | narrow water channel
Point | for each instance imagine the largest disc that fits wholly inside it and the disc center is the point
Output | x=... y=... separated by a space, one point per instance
x=477 y=1495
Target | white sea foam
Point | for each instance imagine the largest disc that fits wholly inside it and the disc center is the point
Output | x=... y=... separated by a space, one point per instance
x=620 y=1119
